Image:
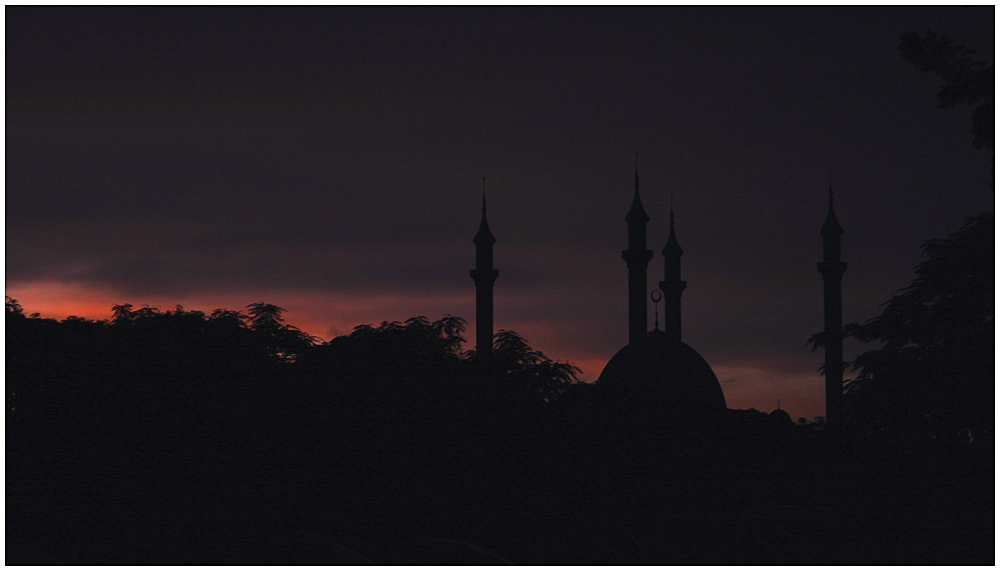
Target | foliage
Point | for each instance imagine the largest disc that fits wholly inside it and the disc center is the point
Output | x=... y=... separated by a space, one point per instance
x=283 y=340
x=147 y=371
x=420 y=364
x=12 y=307
x=532 y=373
x=968 y=81
x=933 y=373
x=416 y=339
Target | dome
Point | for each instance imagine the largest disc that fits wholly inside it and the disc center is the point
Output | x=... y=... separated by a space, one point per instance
x=779 y=416
x=663 y=375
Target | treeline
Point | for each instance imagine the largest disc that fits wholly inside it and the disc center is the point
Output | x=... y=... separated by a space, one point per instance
x=146 y=371
x=153 y=428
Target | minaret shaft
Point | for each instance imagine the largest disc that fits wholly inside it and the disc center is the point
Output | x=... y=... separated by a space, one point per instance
x=637 y=258
x=484 y=310
x=672 y=308
x=832 y=268
x=638 y=325
x=484 y=276
x=672 y=286
x=834 y=355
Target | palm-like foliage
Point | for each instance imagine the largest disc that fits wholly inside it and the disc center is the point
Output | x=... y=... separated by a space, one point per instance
x=265 y=316
x=121 y=313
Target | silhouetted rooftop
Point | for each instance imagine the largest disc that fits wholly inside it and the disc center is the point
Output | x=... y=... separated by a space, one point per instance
x=664 y=375
x=779 y=416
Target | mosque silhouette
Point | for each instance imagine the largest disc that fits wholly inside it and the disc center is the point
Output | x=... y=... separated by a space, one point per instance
x=656 y=372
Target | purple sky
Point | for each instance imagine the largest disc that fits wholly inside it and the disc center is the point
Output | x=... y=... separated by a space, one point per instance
x=328 y=160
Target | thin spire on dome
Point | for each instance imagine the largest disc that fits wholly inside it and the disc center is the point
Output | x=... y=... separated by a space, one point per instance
x=656 y=295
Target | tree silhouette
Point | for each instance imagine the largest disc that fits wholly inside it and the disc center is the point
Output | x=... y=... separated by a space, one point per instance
x=968 y=81
x=13 y=307
x=933 y=374
x=391 y=369
x=417 y=341
x=265 y=316
x=121 y=313
x=532 y=374
x=285 y=341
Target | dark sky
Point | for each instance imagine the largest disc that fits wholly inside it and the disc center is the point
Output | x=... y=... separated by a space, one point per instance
x=329 y=160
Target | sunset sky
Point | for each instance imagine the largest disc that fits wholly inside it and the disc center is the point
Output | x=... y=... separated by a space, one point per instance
x=329 y=160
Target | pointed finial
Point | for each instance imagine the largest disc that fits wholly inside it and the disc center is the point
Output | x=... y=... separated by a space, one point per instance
x=831 y=226
x=637 y=172
x=636 y=213
x=830 y=183
x=671 y=211
x=672 y=248
x=484 y=235
x=779 y=404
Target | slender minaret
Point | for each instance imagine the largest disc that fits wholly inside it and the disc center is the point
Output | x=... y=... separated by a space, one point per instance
x=832 y=269
x=637 y=258
x=484 y=275
x=672 y=286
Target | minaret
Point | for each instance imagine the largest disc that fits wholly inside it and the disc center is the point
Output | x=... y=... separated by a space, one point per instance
x=832 y=269
x=637 y=257
x=672 y=286
x=484 y=275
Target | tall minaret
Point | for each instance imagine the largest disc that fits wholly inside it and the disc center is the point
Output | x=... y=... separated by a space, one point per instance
x=484 y=275
x=672 y=286
x=637 y=257
x=832 y=269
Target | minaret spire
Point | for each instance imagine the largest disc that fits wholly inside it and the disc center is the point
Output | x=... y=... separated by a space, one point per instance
x=484 y=276
x=637 y=173
x=637 y=257
x=829 y=183
x=671 y=212
x=672 y=286
x=830 y=225
x=832 y=268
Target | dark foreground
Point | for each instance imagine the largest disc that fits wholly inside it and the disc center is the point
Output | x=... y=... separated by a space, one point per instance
x=535 y=488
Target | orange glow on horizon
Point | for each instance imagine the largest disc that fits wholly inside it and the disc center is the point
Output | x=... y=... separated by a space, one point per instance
x=327 y=315
x=59 y=300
